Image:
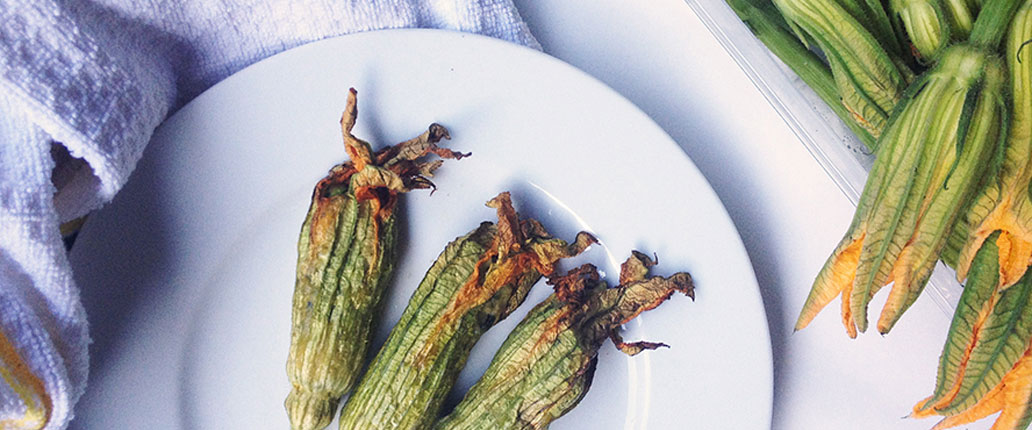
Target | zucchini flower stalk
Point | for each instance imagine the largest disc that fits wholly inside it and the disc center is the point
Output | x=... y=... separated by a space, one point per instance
x=948 y=128
x=346 y=255
x=926 y=24
x=870 y=78
x=960 y=14
x=1005 y=205
x=478 y=280
x=873 y=16
x=986 y=363
x=546 y=365
x=771 y=29
x=928 y=165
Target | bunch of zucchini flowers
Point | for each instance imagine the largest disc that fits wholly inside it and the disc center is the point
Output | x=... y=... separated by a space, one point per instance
x=941 y=92
x=347 y=252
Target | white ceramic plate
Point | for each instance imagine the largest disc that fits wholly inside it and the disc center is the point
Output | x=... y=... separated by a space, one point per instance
x=187 y=276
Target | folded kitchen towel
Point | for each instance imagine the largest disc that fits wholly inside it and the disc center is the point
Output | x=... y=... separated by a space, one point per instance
x=92 y=79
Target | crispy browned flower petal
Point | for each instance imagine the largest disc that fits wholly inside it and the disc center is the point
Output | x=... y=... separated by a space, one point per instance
x=547 y=363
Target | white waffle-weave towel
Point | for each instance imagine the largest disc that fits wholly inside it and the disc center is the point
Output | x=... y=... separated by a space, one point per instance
x=94 y=78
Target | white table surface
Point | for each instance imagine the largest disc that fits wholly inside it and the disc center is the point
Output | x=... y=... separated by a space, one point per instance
x=790 y=214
